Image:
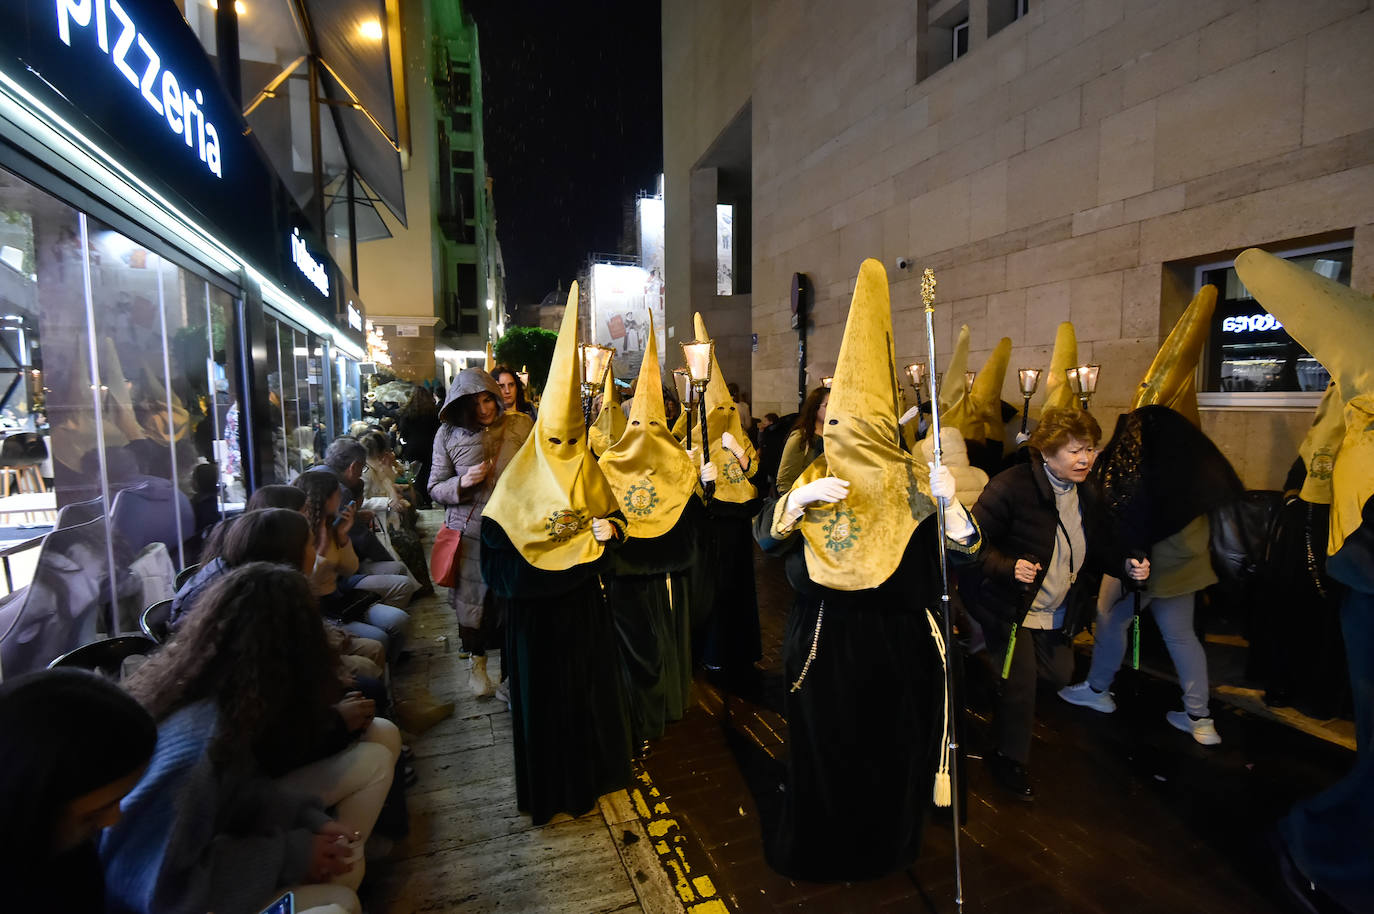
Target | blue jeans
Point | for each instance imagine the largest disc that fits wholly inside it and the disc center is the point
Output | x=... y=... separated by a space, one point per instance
x=1174 y=616
x=386 y=624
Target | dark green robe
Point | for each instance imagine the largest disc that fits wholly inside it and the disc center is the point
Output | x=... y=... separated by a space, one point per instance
x=649 y=599
x=570 y=721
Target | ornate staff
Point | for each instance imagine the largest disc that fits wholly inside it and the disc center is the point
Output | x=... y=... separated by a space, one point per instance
x=928 y=299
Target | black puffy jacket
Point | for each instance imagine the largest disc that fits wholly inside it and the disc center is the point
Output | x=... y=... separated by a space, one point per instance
x=1018 y=519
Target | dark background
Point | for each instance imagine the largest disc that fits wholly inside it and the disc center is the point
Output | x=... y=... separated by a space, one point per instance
x=574 y=128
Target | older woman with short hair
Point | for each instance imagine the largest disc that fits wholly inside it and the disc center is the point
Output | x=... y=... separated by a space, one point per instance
x=1038 y=577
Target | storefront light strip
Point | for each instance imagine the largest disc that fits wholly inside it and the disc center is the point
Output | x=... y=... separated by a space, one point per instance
x=35 y=119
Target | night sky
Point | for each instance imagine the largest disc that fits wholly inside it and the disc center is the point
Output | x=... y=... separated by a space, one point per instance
x=574 y=127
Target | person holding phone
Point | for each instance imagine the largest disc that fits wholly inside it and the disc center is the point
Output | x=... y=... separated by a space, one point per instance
x=331 y=519
x=207 y=827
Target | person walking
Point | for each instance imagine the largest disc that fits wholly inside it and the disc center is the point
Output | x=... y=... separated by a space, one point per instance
x=418 y=423
x=1160 y=476
x=806 y=441
x=477 y=439
x=1040 y=568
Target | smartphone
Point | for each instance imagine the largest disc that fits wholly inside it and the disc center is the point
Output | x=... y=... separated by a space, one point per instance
x=343 y=509
x=283 y=905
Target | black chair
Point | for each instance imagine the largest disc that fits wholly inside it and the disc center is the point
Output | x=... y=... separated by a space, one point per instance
x=21 y=454
x=185 y=575
x=155 y=621
x=106 y=656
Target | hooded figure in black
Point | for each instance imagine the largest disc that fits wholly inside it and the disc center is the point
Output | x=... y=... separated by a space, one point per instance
x=858 y=533
x=656 y=483
x=545 y=537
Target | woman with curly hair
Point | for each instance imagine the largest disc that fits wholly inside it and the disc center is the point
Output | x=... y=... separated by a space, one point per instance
x=356 y=611
x=239 y=695
x=804 y=443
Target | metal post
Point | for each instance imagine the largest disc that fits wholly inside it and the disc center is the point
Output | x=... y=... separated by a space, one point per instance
x=316 y=147
x=928 y=298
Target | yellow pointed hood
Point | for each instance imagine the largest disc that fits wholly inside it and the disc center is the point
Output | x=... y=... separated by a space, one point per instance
x=985 y=399
x=1335 y=323
x=546 y=499
x=956 y=409
x=1172 y=378
x=1058 y=393
x=610 y=421
x=856 y=544
x=732 y=483
x=1319 y=448
x=648 y=470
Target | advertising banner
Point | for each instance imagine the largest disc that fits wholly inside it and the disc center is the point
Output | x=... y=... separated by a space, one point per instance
x=624 y=298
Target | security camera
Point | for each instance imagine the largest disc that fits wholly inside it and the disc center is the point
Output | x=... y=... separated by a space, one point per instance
x=903 y=263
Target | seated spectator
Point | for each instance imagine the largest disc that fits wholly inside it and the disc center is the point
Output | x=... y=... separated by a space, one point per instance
x=207 y=827
x=336 y=558
x=378 y=570
x=279 y=535
x=74 y=746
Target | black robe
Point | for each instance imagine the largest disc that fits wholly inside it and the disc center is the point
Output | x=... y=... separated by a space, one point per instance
x=729 y=637
x=865 y=728
x=649 y=602
x=571 y=726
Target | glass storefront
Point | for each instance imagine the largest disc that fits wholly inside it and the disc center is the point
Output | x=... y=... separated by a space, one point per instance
x=117 y=414
x=348 y=394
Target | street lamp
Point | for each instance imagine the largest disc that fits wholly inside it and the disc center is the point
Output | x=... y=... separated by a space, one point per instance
x=595 y=360
x=1083 y=381
x=699 y=355
x=1030 y=381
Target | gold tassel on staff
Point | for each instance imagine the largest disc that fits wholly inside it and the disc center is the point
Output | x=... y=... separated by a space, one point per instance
x=951 y=733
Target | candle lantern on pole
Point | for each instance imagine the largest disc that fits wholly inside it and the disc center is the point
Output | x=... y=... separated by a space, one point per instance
x=1083 y=382
x=595 y=360
x=683 y=381
x=1030 y=382
x=699 y=356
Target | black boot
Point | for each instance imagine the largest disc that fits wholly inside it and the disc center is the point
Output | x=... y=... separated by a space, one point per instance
x=1012 y=775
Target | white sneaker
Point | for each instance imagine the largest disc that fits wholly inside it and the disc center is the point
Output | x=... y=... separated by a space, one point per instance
x=1203 y=730
x=1085 y=696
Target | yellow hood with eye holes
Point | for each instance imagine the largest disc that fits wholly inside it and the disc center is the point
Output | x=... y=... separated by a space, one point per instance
x=648 y=470
x=857 y=543
x=553 y=488
x=732 y=480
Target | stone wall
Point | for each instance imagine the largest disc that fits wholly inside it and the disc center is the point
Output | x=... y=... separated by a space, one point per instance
x=1069 y=167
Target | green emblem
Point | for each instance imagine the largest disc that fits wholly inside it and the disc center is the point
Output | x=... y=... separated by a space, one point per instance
x=733 y=471
x=1323 y=462
x=841 y=530
x=641 y=498
x=564 y=524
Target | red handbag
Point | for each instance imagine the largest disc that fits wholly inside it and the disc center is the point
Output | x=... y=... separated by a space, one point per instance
x=443 y=557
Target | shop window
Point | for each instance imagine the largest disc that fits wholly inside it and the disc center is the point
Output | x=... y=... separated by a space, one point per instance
x=115 y=389
x=1250 y=359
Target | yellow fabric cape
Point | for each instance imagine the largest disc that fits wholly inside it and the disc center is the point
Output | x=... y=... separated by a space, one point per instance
x=1058 y=393
x=1335 y=324
x=1320 y=446
x=648 y=470
x=552 y=489
x=732 y=484
x=985 y=399
x=1172 y=378
x=857 y=544
x=610 y=421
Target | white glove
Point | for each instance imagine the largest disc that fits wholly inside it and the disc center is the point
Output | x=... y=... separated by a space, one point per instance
x=728 y=441
x=826 y=490
x=941 y=482
x=1022 y=438
x=602 y=529
x=709 y=472
x=909 y=415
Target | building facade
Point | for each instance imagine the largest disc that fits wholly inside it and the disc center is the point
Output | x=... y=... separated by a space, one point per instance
x=1052 y=160
x=434 y=277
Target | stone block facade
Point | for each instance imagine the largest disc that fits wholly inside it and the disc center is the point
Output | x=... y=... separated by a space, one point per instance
x=1074 y=165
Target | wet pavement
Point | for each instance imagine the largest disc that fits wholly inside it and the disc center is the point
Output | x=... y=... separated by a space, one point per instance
x=1130 y=814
